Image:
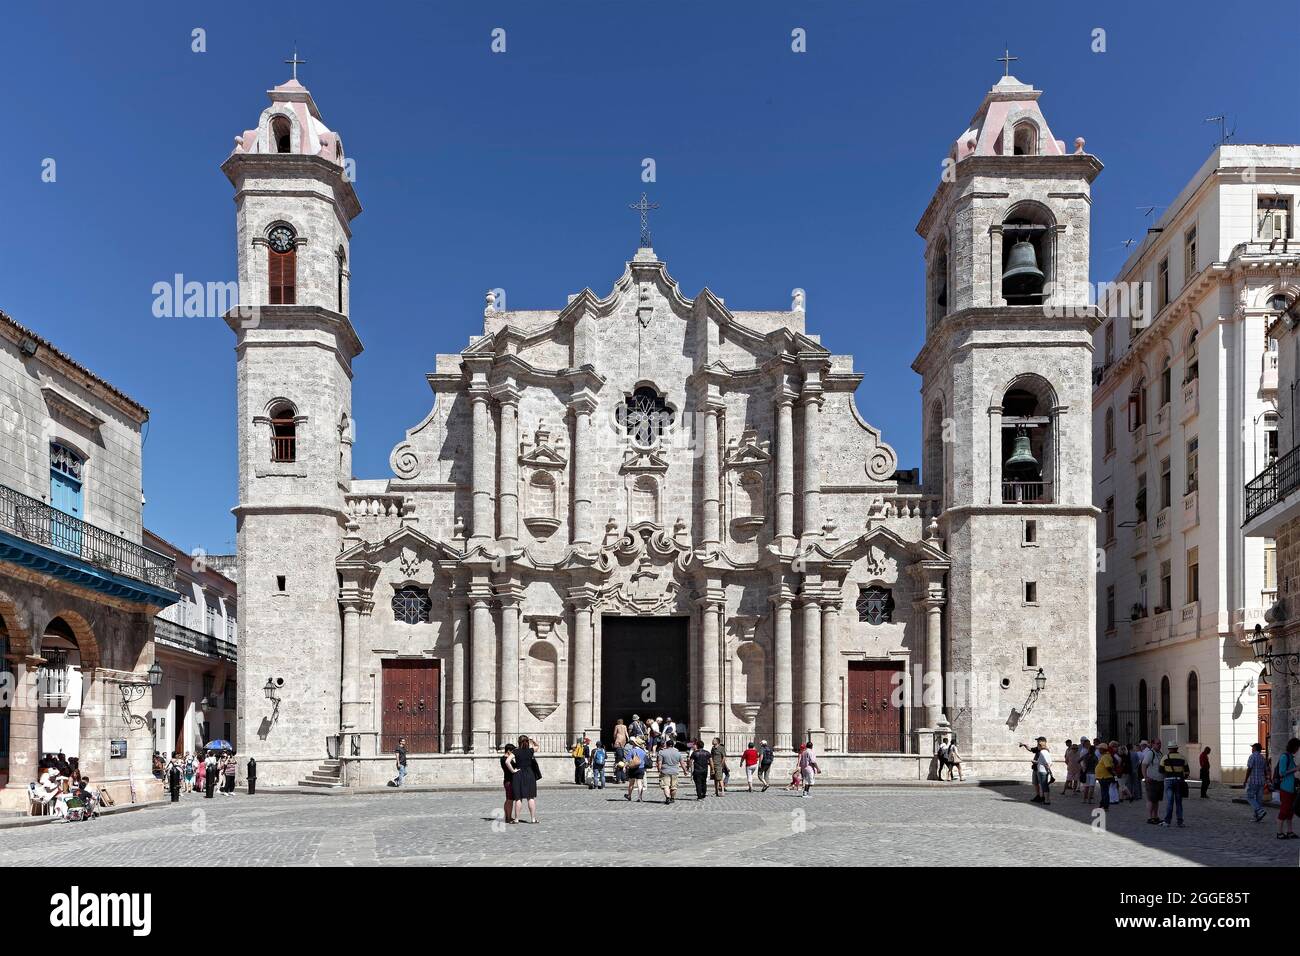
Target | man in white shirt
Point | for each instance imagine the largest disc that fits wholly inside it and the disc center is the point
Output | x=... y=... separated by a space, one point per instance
x=1154 y=779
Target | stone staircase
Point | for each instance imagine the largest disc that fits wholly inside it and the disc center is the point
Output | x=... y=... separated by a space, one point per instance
x=329 y=775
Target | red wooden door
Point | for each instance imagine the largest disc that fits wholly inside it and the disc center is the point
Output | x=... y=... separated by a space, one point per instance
x=411 y=705
x=1265 y=704
x=875 y=724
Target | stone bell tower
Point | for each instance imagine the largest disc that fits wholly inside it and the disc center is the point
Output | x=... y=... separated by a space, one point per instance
x=295 y=344
x=1006 y=391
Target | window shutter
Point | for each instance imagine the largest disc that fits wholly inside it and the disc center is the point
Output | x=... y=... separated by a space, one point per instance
x=282 y=274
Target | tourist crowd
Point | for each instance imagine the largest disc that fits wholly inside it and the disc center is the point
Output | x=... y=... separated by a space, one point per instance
x=1112 y=773
x=62 y=790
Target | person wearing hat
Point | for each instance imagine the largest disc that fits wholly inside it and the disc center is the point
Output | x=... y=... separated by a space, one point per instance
x=1154 y=778
x=635 y=768
x=765 y=758
x=1039 y=791
x=1175 y=770
x=637 y=727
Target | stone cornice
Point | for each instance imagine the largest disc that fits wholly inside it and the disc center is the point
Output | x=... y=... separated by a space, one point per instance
x=1084 y=318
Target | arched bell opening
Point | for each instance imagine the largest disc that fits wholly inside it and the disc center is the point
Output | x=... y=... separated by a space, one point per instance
x=1028 y=447
x=937 y=299
x=1027 y=264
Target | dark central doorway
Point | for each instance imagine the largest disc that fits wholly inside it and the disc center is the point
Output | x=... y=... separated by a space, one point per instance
x=643 y=670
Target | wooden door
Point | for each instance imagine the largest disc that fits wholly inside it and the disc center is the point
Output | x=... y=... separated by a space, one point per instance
x=411 y=705
x=875 y=723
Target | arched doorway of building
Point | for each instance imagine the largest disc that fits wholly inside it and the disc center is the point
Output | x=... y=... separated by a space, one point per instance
x=59 y=691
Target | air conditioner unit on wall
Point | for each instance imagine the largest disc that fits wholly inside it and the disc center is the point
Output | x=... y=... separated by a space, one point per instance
x=1173 y=734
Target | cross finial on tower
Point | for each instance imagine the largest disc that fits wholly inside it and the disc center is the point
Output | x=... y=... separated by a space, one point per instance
x=1006 y=59
x=295 y=62
x=644 y=207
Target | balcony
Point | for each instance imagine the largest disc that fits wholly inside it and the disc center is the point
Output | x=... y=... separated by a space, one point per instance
x=1191 y=510
x=1138 y=436
x=196 y=642
x=1191 y=399
x=1268 y=379
x=70 y=548
x=1161 y=430
x=1026 y=492
x=1140 y=542
x=1162 y=525
x=1267 y=490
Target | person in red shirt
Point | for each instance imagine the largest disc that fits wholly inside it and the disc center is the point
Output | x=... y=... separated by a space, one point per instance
x=750 y=759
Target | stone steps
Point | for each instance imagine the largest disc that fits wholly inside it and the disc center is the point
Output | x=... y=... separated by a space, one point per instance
x=328 y=775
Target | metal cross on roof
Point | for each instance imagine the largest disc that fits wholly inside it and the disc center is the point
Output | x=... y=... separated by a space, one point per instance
x=1006 y=59
x=644 y=207
x=295 y=61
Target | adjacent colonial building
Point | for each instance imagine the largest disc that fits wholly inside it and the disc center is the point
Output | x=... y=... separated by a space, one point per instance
x=642 y=501
x=1185 y=411
x=195 y=641
x=78 y=587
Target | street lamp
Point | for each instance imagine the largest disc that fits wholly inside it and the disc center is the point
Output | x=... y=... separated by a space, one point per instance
x=135 y=690
x=155 y=674
x=1040 y=681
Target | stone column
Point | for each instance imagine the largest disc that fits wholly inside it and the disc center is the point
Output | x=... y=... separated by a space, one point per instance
x=350 y=689
x=482 y=704
x=934 y=716
x=783 y=685
x=711 y=608
x=483 y=464
x=509 y=596
x=24 y=728
x=811 y=519
x=584 y=659
x=711 y=491
x=831 y=707
x=812 y=663
x=785 y=472
x=508 y=466
x=582 y=470
x=460 y=640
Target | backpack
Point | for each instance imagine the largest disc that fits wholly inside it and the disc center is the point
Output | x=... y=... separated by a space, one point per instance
x=578 y=752
x=598 y=757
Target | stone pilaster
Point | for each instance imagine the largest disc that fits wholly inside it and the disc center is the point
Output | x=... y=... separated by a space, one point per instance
x=811 y=403
x=934 y=716
x=483 y=464
x=24 y=727
x=711 y=609
x=459 y=646
x=581 y=713
x=507 y=396
x=831 y=708
x=783 y=670
x=582 y=406
x=710 y=493
x=510 y=596
x=482 y=701
x=785 y=538
x=812 y=660
x=351 y=710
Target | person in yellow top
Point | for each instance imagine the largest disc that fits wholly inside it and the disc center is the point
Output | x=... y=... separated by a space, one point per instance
x=1106 y=773
x=1175 y=770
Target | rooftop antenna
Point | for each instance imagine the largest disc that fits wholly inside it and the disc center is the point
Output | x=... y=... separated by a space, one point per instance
x=1224 y=133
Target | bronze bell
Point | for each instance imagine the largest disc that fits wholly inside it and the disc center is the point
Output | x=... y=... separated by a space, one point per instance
x=1022 y=465
x=1022 y=275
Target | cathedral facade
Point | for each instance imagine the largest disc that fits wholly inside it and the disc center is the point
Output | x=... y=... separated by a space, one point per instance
x=648 y=503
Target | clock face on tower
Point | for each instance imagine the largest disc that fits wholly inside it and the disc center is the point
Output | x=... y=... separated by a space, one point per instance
x=281 y=239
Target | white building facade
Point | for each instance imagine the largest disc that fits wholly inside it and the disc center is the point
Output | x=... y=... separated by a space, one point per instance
x=1185 y=411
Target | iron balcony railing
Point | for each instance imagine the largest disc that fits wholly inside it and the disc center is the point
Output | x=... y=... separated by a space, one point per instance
x=188 y=639
x=1278 y=479
x=1026 y=492
x=39 y=523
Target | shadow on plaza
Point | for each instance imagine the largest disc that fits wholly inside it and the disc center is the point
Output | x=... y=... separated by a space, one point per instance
x=1218 y=832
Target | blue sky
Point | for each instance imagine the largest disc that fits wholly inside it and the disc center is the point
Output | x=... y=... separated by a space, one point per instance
x=481 y=170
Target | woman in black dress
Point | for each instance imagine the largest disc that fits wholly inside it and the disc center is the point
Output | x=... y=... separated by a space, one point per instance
x=508 y=773
x=527 y=773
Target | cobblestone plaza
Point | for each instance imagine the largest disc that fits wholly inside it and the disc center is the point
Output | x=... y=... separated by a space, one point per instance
x=903 y=826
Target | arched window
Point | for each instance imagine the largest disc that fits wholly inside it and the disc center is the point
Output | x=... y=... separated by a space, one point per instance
x=939 y=281
x=1025 y=139
x=645 y=416
x=1027 y=449
x=1110 y=430
x=1027 y=265
x=1193 y=361
x=281 y=134
x=1164 y=700
x=1166 y=382
x=1112 y=712
x=875 y=605
x=1193 y=707
x=342 y=258
x=282 y=276
x=411 y=605
x=1144 y=718
x=284 y=432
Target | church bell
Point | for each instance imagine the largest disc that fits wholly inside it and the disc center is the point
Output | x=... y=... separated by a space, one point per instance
x=1022 y=465
x=1022 y=276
